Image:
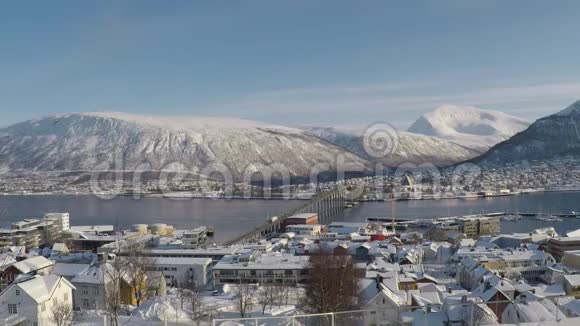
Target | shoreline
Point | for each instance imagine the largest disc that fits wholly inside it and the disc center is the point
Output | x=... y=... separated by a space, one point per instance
x=191 y=196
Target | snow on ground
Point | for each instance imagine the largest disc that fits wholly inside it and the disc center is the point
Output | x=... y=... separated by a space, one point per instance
x=160 y=309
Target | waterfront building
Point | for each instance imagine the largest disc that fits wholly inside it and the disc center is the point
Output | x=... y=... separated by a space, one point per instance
x=302 y=218
x=32 y=233
x=304 y=229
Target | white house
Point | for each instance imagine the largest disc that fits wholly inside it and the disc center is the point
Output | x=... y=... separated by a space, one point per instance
x=30 y=302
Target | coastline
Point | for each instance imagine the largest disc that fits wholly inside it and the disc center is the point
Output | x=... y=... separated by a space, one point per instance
x=297 y=197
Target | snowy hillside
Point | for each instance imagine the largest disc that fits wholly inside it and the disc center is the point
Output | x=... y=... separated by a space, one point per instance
x=548 y=138
x=119 y=141
x=409 y=148
x=469 y=126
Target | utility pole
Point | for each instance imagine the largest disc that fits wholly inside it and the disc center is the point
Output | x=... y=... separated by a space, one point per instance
x=393 y=203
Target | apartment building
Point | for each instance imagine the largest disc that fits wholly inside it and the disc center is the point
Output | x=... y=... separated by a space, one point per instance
x=558 y=246
x=270 y=268
x=184 y=272
x=33 y=233
x=474 y=227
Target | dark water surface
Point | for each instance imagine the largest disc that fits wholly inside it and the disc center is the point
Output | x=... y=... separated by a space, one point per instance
x=231 y=217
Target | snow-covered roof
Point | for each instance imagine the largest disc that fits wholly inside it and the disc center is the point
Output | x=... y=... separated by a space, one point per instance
x=32 y=264
x=65 y=269
x=180 y=261
x=95 y=274
x=573 y=280
x=532 y=311
x=40 y=288
x=276 y=261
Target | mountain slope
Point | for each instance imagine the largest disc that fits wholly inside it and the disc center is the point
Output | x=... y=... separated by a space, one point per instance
x=472 y=127
x=118 y=141
x=409 y=147
x=550 y=137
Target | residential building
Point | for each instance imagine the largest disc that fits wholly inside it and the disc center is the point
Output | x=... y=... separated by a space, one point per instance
x=37 y=265
x=90 y=286
x=270 y=268
x=473 y=227
x=558 y=246
x=61 y=218
x=32 y=233
x=184 y=272
x=31 y=301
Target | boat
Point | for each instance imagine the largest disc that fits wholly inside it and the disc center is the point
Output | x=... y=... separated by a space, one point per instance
x=549 y=218
x=511 y=218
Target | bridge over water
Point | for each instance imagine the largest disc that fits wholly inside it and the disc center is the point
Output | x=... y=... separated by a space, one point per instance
x=326 y=205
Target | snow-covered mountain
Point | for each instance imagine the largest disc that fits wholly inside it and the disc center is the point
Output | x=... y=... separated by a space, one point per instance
x=119 y=141
x=408 y=147
x=548 y=138
x=469 y=126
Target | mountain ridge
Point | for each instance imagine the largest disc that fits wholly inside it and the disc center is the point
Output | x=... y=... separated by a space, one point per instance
x=470 y=126
x=552 y=136
x=105 y=141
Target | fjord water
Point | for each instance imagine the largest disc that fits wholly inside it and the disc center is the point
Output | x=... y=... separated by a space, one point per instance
x=231 y=217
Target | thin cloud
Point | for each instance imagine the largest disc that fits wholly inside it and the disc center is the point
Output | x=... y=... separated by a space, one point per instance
x=392 y=98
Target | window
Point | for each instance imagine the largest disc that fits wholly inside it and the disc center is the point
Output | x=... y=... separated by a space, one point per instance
x=12 y=308
x=17 y=291
x=54 y=302
x=65 y=297
x=85 y=291
x=43 y=307
x=86 y=303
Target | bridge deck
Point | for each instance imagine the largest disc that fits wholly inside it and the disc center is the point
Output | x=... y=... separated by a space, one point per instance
x=337 y=198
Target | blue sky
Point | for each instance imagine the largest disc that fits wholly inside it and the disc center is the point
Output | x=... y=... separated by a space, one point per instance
x=288 y=62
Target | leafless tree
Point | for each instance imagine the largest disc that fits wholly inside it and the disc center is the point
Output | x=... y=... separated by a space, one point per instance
x=136 y=270
x=266 y=296
x=245 y=298
x=199 y=310
x=332 y=285
x=62 y=314
x=182 y=295
x=114 y=273
x=284 y=293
